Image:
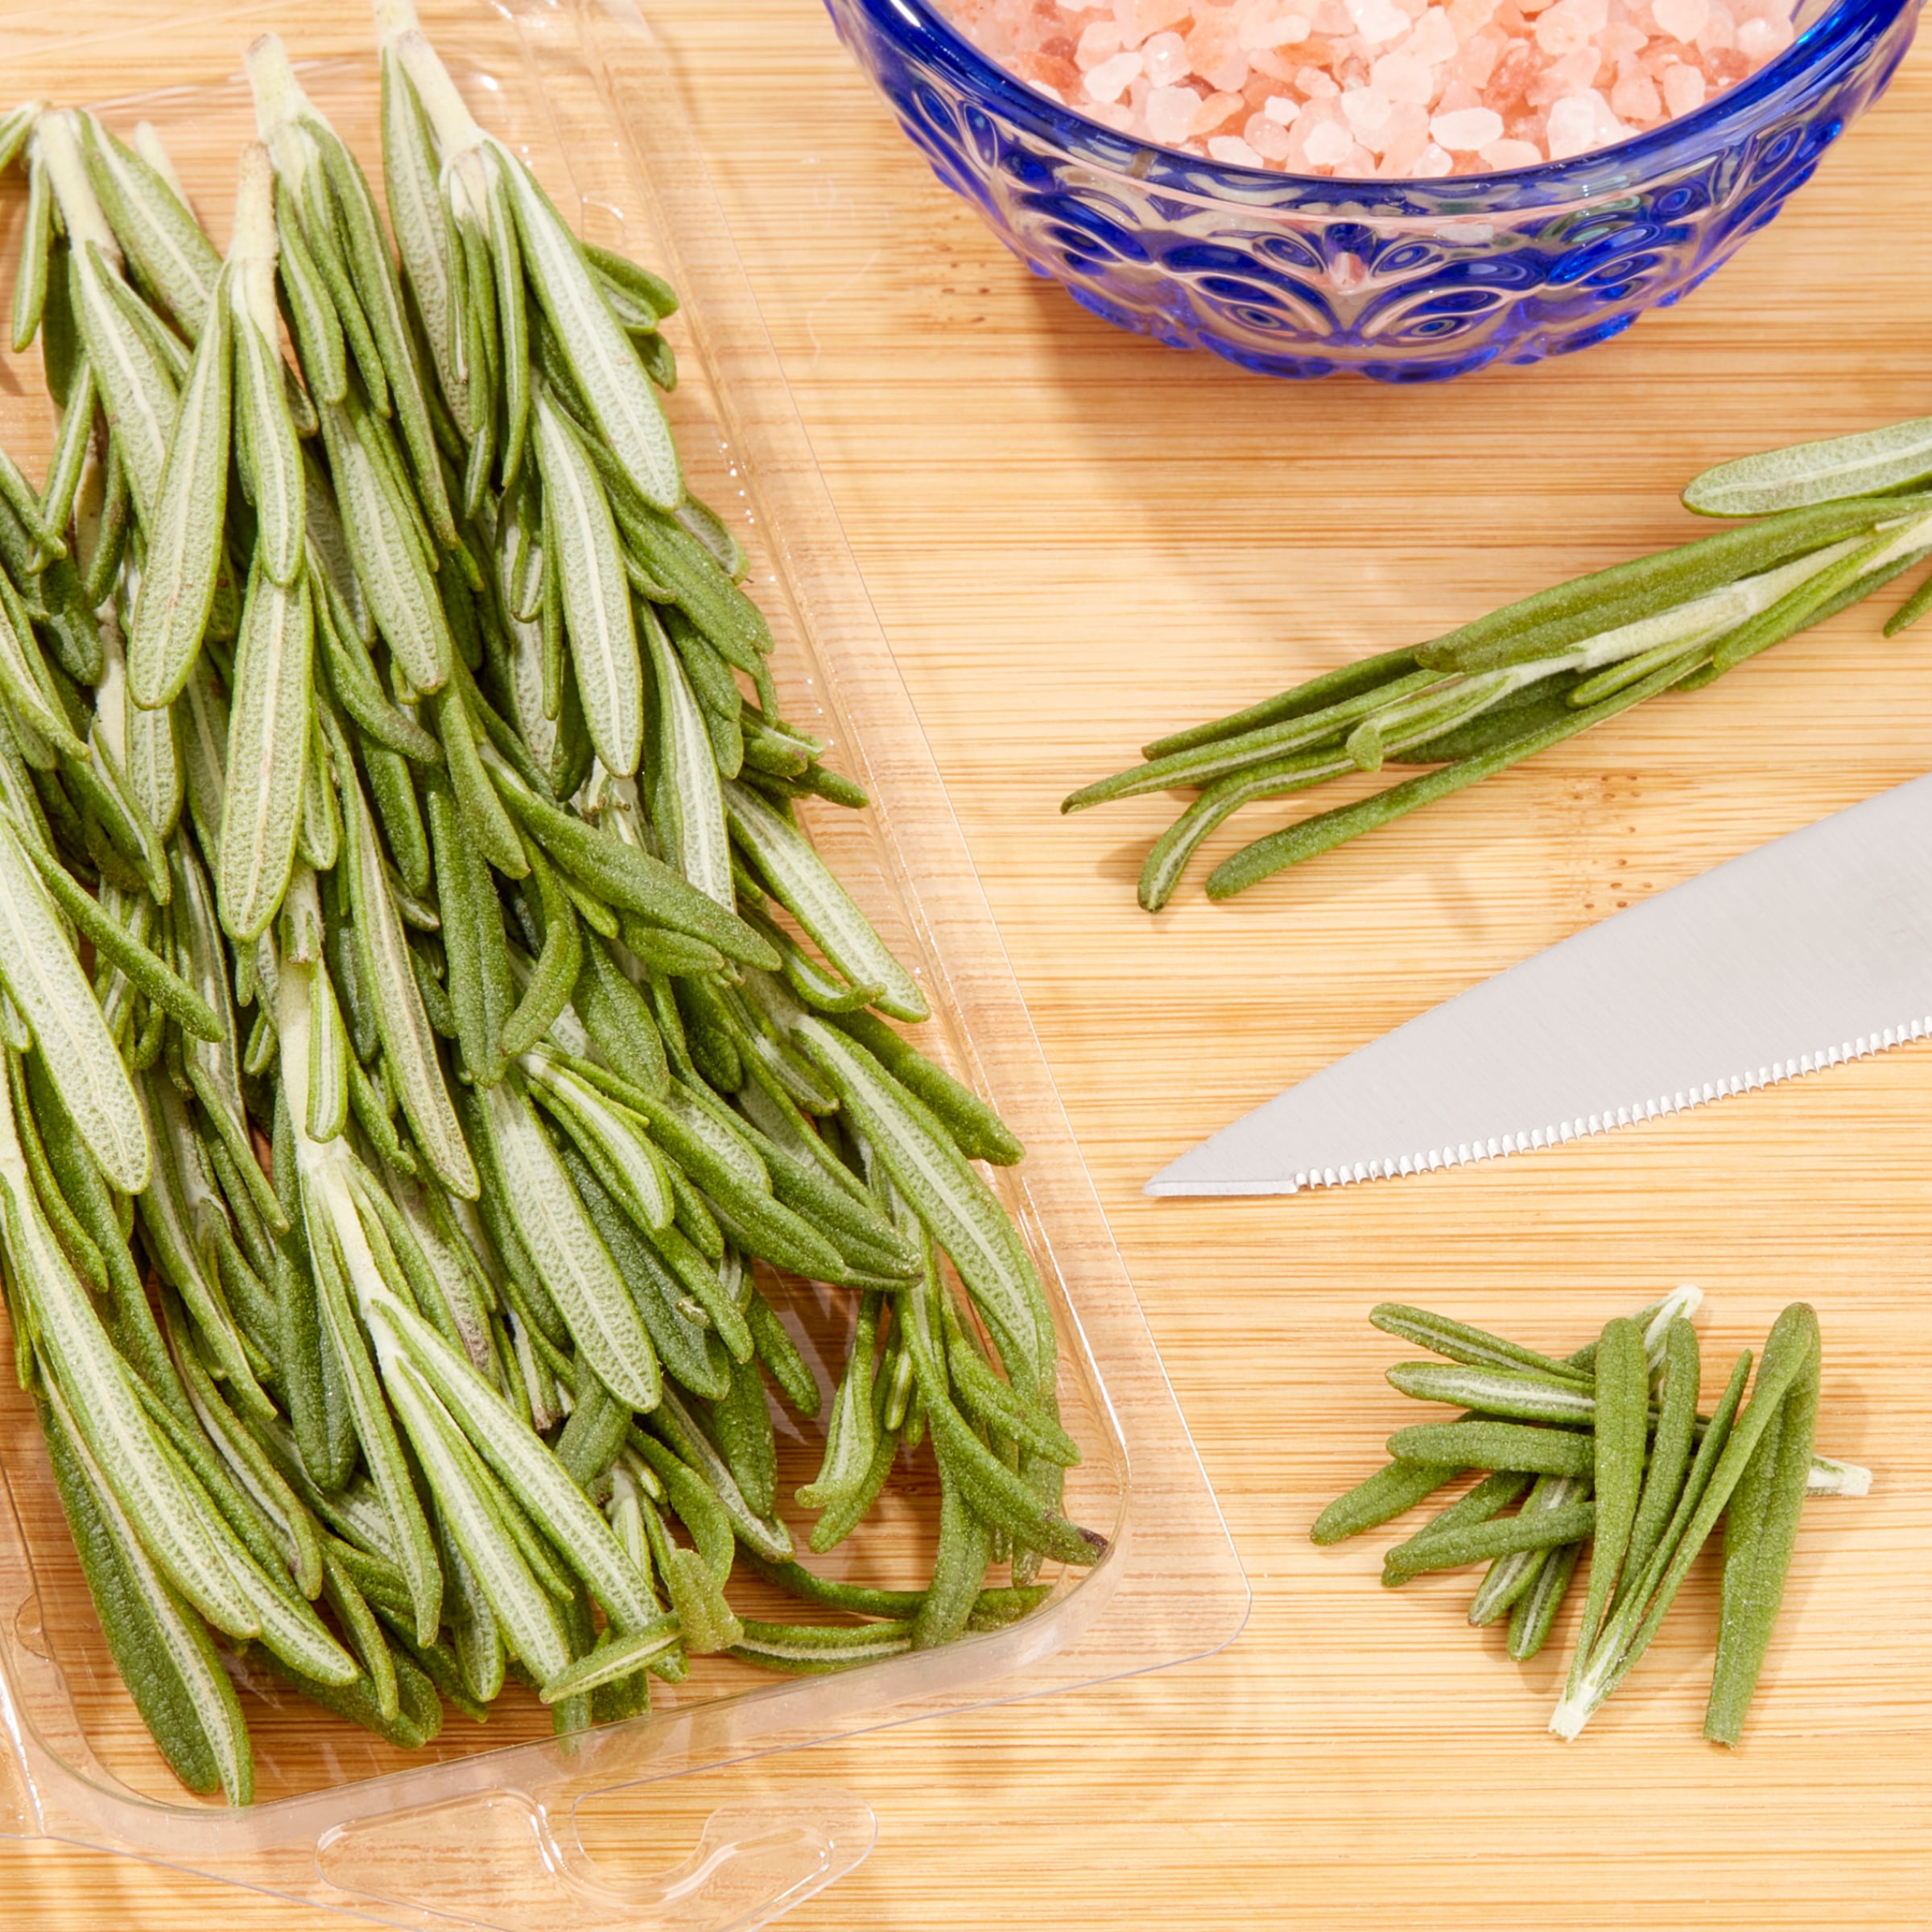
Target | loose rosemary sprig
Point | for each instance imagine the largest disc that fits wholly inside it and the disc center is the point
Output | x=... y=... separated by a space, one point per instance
x=1838 y=519
x=425 y=802
x=1606 y=1451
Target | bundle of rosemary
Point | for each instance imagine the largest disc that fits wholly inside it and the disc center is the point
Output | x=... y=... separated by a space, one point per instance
x=1606 y=1449
x=393 y=732
x=1837 y=520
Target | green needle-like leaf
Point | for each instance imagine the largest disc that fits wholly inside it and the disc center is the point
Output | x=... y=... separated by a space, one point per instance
x=44 y=981
x=268 y=741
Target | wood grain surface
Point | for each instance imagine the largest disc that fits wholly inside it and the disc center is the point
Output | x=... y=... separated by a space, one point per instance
x=1077 y=540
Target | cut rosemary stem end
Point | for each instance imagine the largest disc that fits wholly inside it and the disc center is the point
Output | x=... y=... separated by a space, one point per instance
x=1618 y=1462
x=1525 y=677
x=426 y=805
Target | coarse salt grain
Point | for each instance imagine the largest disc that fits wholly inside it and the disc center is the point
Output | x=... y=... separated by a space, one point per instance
x=1467 y=129
x=1403 y=77
x=1164 y=59
x=1635 y=97
x=1328 y=144
x=1572 y=127
x=1404 y=136
x=1215 y=110
x=1477 y=63
x=1267 y=137
x=1570 y=75
x=1260 y=30
x=1141 y=18
x=1105 y=82
x=1683 y=89
x=1719 y=31
x=1377 y=20
x=1215 y=51
x=1760 y=40
x=1680 y=19
x=1570 y=25
x=1099 y=41
x=1434 y=40
x=1391 y=88
x=1365 y=109
x=1170 y=112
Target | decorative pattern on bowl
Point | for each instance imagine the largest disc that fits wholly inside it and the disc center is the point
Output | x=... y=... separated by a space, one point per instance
x=1402 y=281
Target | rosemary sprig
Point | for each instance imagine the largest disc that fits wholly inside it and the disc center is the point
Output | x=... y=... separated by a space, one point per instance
x=1618 y=1423
x=1838 y=520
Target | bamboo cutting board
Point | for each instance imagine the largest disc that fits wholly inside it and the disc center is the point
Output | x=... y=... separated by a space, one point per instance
x=1077 y=540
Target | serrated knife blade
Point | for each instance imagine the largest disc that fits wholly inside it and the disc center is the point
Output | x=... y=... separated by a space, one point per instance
x=1807 y=953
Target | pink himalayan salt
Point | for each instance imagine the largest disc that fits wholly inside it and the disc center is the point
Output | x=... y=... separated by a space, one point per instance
x=1434 y=40
x=1106 y=81
x=1267 y=137
x=1581 y=122
x=1403 y=77
x=1403 y=139
x=1516 y=68
x=1569 y=75
x=1259 y=32
x=1215 y=109
x=1681 y=19
x=1170 y=113
x=1377 y=21
x=1328 y=144
x=1571 y=25
x=1365 y=109
x=1757 y=40
x=1467 y=129
x=1683 y=89
x=1138 y=19
x=1404 y=134
x=1099 y=41
x=1719 y=31
x=1635 y=97
x=1394 y=88
x=1164 y=56
x=1477 y=61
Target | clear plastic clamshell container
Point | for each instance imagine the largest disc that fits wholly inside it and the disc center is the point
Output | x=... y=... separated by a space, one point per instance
x=482 y=1828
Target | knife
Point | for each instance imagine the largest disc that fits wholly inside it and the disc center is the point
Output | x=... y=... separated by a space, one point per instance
x=1807 y=953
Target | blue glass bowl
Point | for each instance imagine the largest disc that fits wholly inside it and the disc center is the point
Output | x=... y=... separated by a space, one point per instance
x=1403 y=281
